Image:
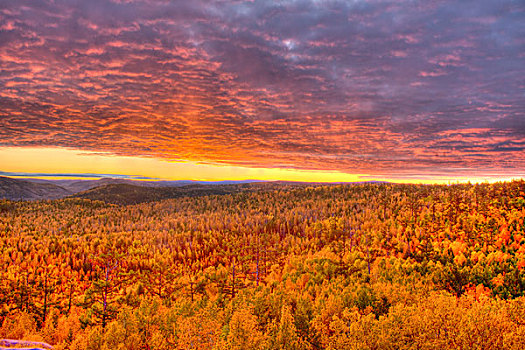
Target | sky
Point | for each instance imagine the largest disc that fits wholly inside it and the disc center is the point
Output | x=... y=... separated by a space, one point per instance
x=407 y=91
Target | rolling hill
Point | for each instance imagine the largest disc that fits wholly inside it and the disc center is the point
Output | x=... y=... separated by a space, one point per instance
x=15 y=189
x=124 y=191
x=125 y=194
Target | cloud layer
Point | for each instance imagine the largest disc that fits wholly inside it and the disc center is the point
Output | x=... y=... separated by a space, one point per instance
x=377 y=87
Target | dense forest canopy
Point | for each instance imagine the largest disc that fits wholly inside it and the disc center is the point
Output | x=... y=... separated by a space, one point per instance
x=369 y=266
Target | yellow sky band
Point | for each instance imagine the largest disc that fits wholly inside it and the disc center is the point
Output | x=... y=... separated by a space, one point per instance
x=51 y=160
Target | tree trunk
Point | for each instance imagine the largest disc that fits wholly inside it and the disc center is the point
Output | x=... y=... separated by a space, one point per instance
x=233 y=281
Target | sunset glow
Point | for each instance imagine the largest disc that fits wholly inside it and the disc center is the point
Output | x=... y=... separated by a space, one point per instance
x=295 y=90
x=262 y=174
x=20 y=162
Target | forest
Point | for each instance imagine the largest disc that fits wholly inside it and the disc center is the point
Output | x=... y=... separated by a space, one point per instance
x=362 y=266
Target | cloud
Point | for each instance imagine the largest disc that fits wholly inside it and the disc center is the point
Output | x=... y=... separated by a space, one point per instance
x=377 y=87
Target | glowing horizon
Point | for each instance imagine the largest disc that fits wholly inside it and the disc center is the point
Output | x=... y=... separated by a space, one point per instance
x=21 y=161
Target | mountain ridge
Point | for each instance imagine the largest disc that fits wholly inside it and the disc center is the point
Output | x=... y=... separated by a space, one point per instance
x=125 y=191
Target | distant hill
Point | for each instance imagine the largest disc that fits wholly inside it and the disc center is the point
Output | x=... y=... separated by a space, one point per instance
x=124 y=191
x=124 y=194
x=118 y=191
x=75 y=186
x=15 y=189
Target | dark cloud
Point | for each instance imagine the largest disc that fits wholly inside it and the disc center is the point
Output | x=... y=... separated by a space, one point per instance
x=379 y=87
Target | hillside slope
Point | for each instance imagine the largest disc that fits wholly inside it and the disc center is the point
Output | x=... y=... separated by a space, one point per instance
x=15 y=189
x=125 y=194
